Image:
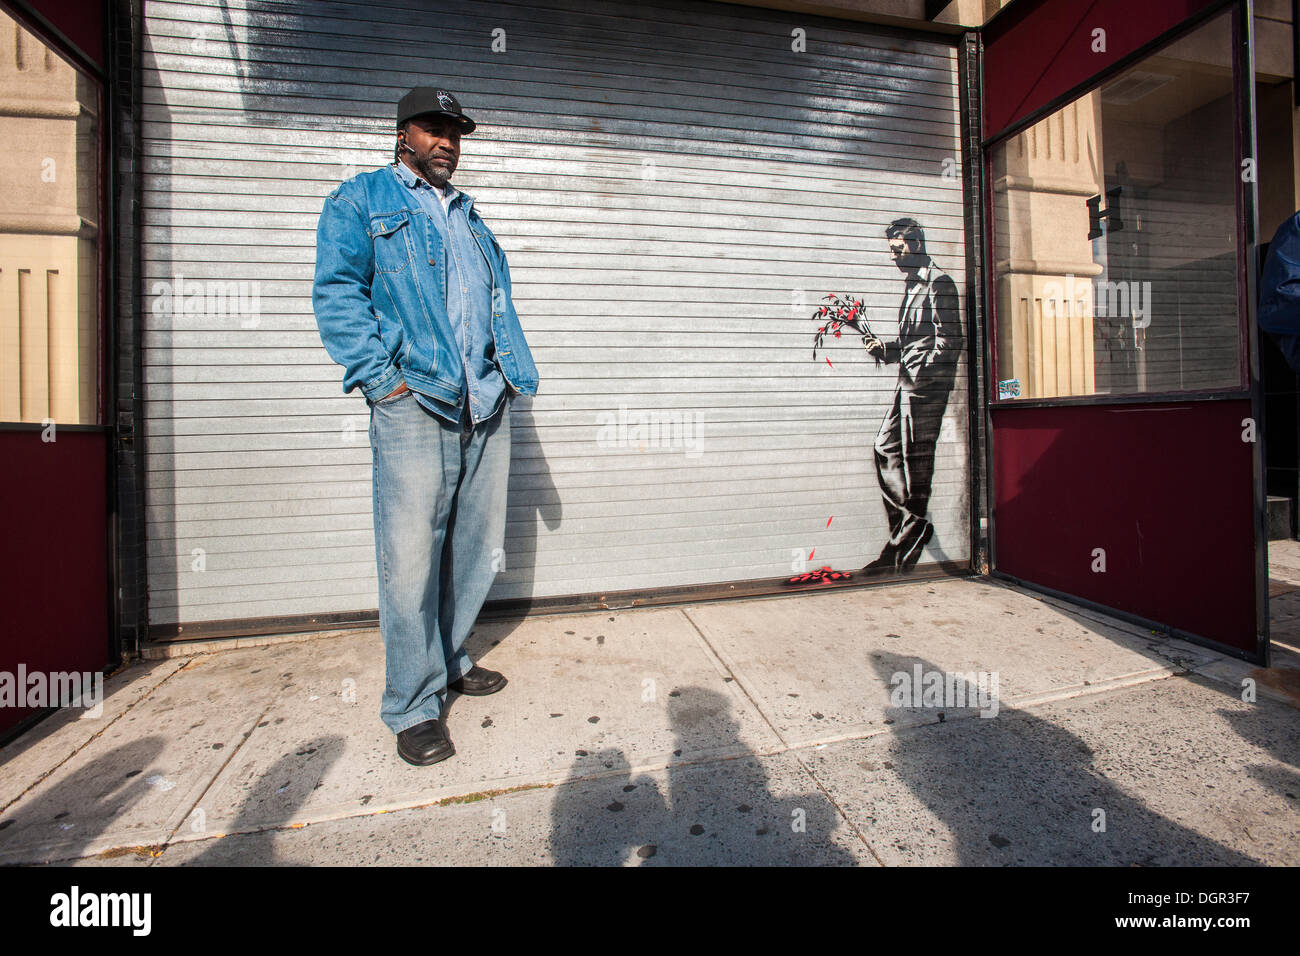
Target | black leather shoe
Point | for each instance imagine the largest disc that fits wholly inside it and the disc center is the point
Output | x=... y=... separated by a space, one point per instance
x=424 y=743
x=479 y=682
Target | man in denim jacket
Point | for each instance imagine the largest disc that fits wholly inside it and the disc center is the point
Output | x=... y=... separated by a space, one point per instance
x=412 y=298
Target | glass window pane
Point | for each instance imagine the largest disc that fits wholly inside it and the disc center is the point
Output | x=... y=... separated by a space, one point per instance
x=1115 y=225
x=49 y=242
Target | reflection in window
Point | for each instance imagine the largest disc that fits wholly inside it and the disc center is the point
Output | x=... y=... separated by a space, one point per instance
x=49 y=201
x=1115 y=229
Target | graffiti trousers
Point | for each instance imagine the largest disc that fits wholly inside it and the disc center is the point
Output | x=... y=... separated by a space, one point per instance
x=904 y=452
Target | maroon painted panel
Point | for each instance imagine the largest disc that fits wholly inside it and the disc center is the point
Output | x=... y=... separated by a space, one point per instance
x=55 y=560
x=81 y=21
x=1165 y=490
x=1042 y=49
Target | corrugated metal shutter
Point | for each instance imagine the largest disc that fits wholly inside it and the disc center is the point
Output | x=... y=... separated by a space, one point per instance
x=675 y=187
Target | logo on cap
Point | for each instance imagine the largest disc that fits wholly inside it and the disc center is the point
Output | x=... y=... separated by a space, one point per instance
x=445 y=100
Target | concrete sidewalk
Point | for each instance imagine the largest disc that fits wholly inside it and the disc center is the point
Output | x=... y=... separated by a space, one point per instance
x=745 y=732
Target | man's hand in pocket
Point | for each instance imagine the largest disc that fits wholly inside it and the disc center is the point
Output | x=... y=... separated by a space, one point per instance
x=397 y=391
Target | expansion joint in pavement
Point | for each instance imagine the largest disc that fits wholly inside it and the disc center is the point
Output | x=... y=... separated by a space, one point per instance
x=729 y=670
x=217 y=775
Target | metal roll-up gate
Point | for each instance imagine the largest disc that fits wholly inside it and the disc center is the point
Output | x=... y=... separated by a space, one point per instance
x=677 y=185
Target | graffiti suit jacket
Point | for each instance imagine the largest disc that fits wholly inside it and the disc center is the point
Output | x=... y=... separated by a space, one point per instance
x=929 y=333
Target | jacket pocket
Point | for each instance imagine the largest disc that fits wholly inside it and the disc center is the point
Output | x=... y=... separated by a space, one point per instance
x=391 y=236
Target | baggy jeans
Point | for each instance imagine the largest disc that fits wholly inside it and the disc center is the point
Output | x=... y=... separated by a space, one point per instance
x=440 y=516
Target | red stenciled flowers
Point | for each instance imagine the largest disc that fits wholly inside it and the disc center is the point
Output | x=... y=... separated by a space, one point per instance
x=823 y=575
x=841 y=312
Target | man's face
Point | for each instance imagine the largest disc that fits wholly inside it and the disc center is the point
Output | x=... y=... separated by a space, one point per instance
x=907 y=254
x=436 y=141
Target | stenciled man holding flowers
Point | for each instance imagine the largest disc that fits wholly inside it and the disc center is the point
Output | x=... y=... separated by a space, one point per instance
x=926 y=351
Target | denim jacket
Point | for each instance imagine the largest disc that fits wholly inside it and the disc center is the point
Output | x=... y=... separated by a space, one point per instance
x=1279 y=290
x=380 y=300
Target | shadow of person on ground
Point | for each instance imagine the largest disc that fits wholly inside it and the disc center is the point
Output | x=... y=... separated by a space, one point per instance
x=273 y=801
x=62 y=822
x=1269 y=726
x=715 y=812
x=1015 y=789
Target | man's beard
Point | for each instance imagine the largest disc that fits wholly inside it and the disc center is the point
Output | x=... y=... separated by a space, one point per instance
x=912 y=262
x=433 y=173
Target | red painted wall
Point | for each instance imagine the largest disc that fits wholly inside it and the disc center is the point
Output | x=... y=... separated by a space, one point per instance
x=81 y=21
x=54 y=563
x=1042 y=49
x=1164 y=489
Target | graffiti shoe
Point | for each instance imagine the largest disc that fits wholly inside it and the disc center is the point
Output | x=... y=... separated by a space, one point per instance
x=887 y=563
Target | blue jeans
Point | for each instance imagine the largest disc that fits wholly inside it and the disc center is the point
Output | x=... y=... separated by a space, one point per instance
x=440 y=513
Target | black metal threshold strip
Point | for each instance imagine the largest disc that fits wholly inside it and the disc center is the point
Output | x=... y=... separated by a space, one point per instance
x=566 y=604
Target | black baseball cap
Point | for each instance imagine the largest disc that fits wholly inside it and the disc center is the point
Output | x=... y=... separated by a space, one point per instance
x=426 y=99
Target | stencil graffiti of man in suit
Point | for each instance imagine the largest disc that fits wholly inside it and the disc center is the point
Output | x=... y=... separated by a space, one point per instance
x=926 y=350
